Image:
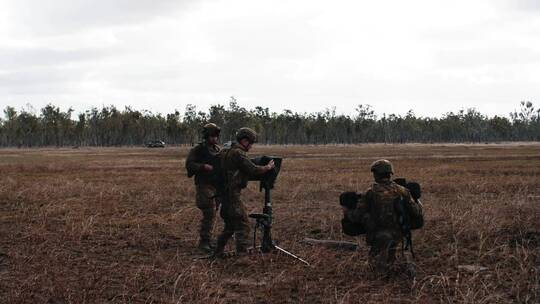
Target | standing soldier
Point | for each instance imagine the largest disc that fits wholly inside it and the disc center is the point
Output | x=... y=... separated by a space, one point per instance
x=200 y=162
x=237 y=168
x=377 y=211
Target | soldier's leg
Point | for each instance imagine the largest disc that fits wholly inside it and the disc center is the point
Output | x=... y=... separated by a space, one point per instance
x=228 y=230
x=391 y=251
x=223 y=238
x=405 y=264
x=206 y=204
x=409 y=267
x=242 y=233
x=382 y=252
x=207 y=224
x=374 y=256
x=241 y=224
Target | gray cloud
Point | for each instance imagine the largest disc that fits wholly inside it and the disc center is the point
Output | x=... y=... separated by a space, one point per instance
x=17 y=58
x=527 y=5
x=482 y=56
x=42 y=80
x=51 y=17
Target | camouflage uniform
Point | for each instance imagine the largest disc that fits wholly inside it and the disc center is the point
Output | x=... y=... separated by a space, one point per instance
x=237 y=168
x=377 y=212
x=198 y=156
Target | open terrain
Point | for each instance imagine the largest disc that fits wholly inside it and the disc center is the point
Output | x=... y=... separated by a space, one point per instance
x=119 y=225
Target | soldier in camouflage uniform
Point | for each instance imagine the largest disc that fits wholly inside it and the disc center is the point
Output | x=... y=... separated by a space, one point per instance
x=200 y=162
x=377 y=213
x=237 y=168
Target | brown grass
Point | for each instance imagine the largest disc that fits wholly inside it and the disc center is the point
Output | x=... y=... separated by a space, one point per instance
x=120 y=225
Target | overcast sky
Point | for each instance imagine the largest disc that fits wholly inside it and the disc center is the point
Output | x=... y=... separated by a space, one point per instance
x=430 y=56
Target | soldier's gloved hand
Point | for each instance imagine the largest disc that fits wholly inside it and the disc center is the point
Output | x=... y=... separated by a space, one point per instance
x=270 y=165
x=208 y=167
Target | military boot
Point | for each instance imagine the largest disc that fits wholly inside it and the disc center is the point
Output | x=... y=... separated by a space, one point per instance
x=205 y=246
x=219 y=251
x=410 y=270
x=241 y=249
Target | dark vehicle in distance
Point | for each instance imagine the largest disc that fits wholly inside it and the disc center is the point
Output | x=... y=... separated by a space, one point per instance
x=155 y=144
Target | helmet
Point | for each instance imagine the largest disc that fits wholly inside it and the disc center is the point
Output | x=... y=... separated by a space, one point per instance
x=210 y=129
x=248 y=133
x=382 y=166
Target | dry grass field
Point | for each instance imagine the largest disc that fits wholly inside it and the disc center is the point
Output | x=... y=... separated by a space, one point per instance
x=119 y=225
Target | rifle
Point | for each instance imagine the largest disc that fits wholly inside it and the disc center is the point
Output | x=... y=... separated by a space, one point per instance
x=263 y=221
x=405 y=224
x=406 y=221
x=416 y=220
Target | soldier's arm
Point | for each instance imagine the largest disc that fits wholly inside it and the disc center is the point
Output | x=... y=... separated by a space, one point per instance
x=248 y=167
x=413 y=207
x=192 y=161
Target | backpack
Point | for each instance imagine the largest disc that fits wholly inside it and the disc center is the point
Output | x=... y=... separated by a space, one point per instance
x=383 y=203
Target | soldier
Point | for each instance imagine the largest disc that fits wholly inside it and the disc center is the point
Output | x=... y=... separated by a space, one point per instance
x=237 y=168
x=377 y=212
x=200 y=162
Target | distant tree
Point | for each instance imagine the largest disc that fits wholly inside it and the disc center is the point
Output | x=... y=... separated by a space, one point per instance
x=263 y=124
x=173 y=127
x=80 y=128
x=108 y=126
x=192 y=123
x=235 y=118
x=11 y=126
x=501 y=128
x=28 y=129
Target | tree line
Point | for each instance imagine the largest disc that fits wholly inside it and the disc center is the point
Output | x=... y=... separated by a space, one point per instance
x=109 y=126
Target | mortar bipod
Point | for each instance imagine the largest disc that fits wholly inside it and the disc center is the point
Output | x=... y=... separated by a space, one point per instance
x=263 y=222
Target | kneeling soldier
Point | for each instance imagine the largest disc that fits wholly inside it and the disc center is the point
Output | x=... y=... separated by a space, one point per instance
x=237 y=168
x=200 y=162
x=377 y=211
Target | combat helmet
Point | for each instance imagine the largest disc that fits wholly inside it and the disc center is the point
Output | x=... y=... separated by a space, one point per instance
x=248 y=133
x=382 y=166
x=210 y=129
